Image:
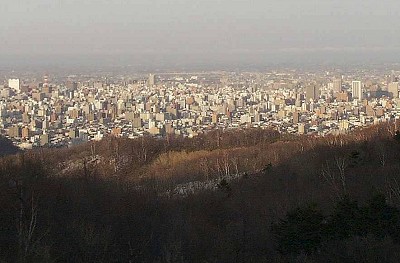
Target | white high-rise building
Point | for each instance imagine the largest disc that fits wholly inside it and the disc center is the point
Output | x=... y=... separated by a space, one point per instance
x=2 y=110
x=356 y=90
x=152 y=80
x=14 y=84
x=393 y=89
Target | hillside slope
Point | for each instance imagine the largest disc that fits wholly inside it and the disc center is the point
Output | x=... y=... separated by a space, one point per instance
x=111 y=201
x=7 y=147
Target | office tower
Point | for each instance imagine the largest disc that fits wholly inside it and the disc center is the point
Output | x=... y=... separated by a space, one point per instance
x=301 y=128
x=296 y=117
x=15 y=132
x=393 y=89
x=71 y=85
x=44 y=139
x=337 y=85
x=152 y=80
x=356 y=90
x=25 y=132
x=312 y=93
x=393 y=77
x=214 y=118
x=257 y=117
x=45 y=81
x=14 y=84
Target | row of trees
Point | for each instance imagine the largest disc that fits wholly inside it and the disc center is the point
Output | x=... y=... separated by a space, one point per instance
x=306 y=230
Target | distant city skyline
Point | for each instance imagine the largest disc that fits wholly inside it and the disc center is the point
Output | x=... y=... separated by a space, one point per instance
x=58 y=111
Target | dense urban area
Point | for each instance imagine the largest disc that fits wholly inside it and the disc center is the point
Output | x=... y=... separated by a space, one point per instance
x=58 y=111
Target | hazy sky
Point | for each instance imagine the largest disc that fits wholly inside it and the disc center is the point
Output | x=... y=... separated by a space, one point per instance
x=201 y=28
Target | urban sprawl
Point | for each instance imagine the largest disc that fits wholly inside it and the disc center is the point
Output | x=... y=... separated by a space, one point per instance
x=64 y=111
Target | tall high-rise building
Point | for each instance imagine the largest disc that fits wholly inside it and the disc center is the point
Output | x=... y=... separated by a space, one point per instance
x=72 y=85
x=356 y=90
x=45 y=81
x=337 y=85
x=393 y=89
x=301 y=128
x=296 y=117
x=152 y=80
x=14 y=84
x=393 y=77
x=312 y=93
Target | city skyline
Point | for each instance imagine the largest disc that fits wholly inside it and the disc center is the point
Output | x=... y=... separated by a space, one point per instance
x=62 y=111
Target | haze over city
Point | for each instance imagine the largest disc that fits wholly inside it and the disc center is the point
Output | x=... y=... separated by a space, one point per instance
x=198 y=34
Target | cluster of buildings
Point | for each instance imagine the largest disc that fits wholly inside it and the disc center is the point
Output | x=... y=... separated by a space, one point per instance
x=37 y=111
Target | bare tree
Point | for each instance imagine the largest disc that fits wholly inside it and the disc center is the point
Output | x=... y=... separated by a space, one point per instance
x=93 y=149
x=218 y=166
x=381 y=149
x=383 y=158
x=341 y=164
x=393 y=190
x=226 y=163
x=330 y=178
x=235 y=164
x=26 y=221
x=205 y=167
x=143 y=151
x=391 y=128
x=336 y=180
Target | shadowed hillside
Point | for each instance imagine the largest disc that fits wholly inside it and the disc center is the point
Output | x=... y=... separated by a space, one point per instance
x=7 y=147
x=248 y=196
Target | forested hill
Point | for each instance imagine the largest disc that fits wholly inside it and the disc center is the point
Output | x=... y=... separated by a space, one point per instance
x=234 y=196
